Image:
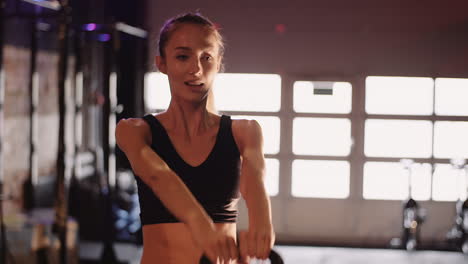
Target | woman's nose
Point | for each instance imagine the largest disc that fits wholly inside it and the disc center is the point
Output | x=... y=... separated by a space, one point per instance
x=195 y=67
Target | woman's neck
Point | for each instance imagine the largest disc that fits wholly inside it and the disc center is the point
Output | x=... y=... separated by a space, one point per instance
x=188 y=119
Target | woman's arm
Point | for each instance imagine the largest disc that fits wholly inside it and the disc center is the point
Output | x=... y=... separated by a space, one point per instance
x=134 y=138
x=260 y=237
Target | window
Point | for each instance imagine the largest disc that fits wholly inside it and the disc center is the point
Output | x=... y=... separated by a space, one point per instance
x=321 y=136
x=451 y=97
x=389 y=181
x=232 y=92
x=398 y=138
x=450 y=139
x=247 y=92
x=435 y=135
x=399 y=95
x=272 y=176
x=449 y=183
x=320 y=178
x=157 y=92
x=309 y=98
x=419 y=118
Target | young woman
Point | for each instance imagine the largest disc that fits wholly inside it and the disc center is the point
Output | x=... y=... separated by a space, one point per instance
x=192 y=163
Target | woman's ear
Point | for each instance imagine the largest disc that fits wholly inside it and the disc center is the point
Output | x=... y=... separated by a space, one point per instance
x=161 y=64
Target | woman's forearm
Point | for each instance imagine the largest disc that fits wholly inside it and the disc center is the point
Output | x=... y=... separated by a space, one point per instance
x=258 y=204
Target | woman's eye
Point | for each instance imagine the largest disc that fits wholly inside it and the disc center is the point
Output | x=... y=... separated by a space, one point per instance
x=207 y=58
x=181 y=57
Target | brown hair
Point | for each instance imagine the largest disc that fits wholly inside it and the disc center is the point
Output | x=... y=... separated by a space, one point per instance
x=188 y=18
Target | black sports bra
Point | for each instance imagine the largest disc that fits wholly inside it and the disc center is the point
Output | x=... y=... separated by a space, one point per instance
x=214 y=183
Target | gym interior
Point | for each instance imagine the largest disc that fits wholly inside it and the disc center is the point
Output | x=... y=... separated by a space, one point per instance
x=363 y=107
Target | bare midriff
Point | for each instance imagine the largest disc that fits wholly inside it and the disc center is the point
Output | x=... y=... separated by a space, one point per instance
x=172 y=243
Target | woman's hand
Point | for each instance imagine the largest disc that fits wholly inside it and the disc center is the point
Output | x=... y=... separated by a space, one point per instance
x=215 y=244
x=220 y=246
x=257 y=242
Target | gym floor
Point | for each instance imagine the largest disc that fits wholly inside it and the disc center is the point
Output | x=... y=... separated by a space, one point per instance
x=318 y=255
x=329 y=255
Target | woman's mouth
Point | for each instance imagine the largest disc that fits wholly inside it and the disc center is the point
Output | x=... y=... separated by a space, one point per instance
x=199 y=84
x=195 y=86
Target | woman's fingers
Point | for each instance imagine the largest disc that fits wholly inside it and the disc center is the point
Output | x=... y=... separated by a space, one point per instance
x=243 y=245
x=227 y=249
x=252 y=244
x=219 y=247
x=223 y=249
x=257 y=245
x=260 y=247
x=233 y=250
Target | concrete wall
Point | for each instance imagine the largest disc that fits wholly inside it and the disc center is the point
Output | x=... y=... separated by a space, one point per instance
x=334 y=37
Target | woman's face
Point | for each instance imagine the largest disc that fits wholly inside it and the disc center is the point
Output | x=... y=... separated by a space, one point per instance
x=191 y=62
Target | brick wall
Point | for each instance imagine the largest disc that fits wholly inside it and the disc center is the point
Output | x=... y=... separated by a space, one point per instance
x=16 y=120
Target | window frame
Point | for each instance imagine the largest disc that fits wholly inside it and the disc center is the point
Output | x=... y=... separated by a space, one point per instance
x=432 y=118
x=357 y=117
x=288 y=114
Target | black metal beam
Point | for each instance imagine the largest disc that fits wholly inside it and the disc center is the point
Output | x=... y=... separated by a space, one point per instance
x=30 y=184
x=52 y=5
x=61 y=206
x=111 y=28
x=130 y=30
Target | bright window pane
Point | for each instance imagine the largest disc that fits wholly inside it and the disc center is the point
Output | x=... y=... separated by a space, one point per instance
x=272 y=176
x=398 y=138
x=421 y=176
x=451 y=97
x=399 y=95
x=271 y=131
x=157 y=92
x=447 y=183
x=232 y=92
x=320 y=179
x=247 y=92
x=389 y=181
x=451 y=139
x=306 y=101
x=322 y=136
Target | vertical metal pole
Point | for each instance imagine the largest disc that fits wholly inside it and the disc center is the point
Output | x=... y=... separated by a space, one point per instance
x=32 y=181
x=78 y=118
x=77 y=95
x=112 y=124
x=108 y=255
x=111 y=109
x=61 y=187
x=78 y=98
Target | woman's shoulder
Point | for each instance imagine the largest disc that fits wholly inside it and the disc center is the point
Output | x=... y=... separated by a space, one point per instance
x=132 y=124
x=131 y=129
x=245 y=125
x=246 y=131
